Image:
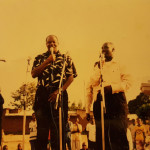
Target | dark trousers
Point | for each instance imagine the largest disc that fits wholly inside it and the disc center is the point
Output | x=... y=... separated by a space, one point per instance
x=48 y=118
x=33 y=144
x=68 y=142
x=1 y=112
x=91 y=145
x=115 y=122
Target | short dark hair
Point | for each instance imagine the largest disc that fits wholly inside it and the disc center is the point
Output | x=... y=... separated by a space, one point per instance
x=51 y=35
x=109 y=43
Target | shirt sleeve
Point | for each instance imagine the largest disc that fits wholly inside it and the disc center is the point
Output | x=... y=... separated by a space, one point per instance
x=94 y=82
x=87 y=127
x=80 y=128
x=129 y=137
x=70 y=68
x=125 y=81
x=1 y=100
x=37 y=61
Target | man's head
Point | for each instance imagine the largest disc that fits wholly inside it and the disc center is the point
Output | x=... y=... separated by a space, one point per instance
x=108 y=51
x=139 y=122
x=19 y=146
x=92 y=120
x=77 y=120
x=5 y=147
x=133 y=121
x=84 y=146
x=33 y=116
x=52 y=41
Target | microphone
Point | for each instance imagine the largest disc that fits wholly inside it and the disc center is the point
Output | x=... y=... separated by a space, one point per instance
x=52 y=53
x=52 y=50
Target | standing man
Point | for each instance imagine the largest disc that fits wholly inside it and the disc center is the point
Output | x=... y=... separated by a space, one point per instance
x=139 y=135
x=115 y=83
x=33 y=132
x=76 y=135
x=47 y=67
x=68 y=133
x=91 y=129
x=1 y=113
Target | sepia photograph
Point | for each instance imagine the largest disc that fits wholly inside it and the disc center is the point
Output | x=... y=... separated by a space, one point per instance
x=74 y=75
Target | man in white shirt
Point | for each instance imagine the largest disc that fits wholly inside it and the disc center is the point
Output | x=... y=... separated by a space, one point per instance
x=91 y=128
x=115 y=82
x=76 y=135
x=33 y=132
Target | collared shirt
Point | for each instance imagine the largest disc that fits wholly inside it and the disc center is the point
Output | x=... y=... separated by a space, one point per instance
x=113 y=75
x=33 y=130
x=52 y=73
x=139 y=131
x=91 y=128
x=129 y=137
x=76 y=132
x=69 y=125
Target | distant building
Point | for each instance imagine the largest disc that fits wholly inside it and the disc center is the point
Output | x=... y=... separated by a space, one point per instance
x=145 y=88
x=13 y=120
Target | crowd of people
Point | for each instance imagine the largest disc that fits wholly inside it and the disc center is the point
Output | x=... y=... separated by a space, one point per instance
x=19 y=147
x=140 y=134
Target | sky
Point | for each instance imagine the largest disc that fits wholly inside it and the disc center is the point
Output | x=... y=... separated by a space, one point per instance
x=82 y=26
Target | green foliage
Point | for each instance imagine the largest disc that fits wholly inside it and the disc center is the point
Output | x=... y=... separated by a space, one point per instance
x=73 y=106
x=140 y=106
x=25 y=92
x=144 y=111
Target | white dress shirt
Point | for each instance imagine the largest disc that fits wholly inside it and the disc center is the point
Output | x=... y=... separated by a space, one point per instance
x=91 y=128
x=113 y=75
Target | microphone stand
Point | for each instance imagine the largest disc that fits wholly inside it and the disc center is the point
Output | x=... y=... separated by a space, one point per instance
x=59 y=103
x=24 y=104
x=103 y=109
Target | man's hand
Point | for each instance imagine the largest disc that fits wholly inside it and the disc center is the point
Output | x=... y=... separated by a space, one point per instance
x=53 y=96
x=88 y=117
x=52 y=58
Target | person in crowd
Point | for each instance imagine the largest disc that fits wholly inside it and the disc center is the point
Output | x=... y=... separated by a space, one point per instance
x=84 y=147
x=19 y=146
x=132 y=129
x=76 y=135
x=48 y=67
x=129 y=137
x=139 y=135
x=33 y=132
x=91 y=129
x=68 y=133
x=1 y=113
x=5 y=147
x=110 y=76
x=147 y=140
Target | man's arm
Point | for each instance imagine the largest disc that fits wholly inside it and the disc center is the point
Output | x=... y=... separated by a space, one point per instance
x=68 y=82
x=64 y=87
x=38 y=70
x=1 y=99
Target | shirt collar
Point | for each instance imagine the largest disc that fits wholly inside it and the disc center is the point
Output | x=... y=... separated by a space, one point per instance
x=48 y=53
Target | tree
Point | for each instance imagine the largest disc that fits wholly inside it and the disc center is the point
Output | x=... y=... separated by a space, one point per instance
x=79 y=105
x=74 y=107
x=25 y=91
x=140 y=106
